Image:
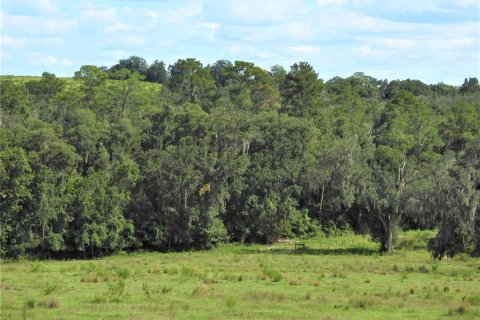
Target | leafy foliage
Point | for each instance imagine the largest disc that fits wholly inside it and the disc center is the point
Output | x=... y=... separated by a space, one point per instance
x=190 y=156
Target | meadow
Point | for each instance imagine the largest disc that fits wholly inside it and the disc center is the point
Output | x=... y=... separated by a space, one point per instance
x=338 y=277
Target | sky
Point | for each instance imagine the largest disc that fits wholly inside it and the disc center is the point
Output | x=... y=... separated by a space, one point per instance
x=430 y=40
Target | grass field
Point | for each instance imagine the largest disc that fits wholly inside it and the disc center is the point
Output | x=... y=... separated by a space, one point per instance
x=332 y=278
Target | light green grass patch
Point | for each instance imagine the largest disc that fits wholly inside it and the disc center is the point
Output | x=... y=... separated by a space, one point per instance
x=332 y=278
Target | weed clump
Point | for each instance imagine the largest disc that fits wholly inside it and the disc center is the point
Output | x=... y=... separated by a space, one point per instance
x=29 y=304
x=49 y=288
x=150 y=292
x=362 y=302
x=274 y=275
x=37 y=267
x=187 y=271
x=231 y=302
x=101 y=298
x=51 y=303
x=116 y=291
x=171 y=270
x=423 y=269
x=459 y=310
x=202 y=288
x=88 y=267
x=123 y=273
x=473 y=300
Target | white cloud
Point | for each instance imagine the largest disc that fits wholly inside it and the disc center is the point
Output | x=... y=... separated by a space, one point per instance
x=240 y=51
x=261 y=12
x=134 y=41
x=7 y=41
x=102 y=13
x=211 y=30
x=34 y=25
x=115 y=54
x=299 y=30
x=153 y=14
x=53 y=25
x=330 y=3
x=45 y=5
x=176 y=15
x=425 y=44
x=50 y=42
x=38 y=59
x=306 y=49
x=119 y=26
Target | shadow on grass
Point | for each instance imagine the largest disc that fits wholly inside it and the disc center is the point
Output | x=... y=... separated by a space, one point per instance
x=314 y=251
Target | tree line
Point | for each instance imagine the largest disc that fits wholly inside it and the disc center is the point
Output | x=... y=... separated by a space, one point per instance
x=140 y=156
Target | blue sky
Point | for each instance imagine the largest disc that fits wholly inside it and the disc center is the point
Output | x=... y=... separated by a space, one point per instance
x=431 y=40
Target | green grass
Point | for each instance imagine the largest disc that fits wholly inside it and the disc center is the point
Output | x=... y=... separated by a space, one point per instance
x=332 y=278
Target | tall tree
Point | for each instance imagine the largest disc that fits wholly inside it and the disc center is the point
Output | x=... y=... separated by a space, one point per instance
x=157 y=72
x=301 y=90
x=192 y=82
x=15 y=179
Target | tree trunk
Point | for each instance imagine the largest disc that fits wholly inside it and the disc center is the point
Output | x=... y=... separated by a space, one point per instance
x=321 y=201
x=43 y=239
x=389 y=240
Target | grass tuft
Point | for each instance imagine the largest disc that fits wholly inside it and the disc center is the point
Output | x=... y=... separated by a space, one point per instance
x=459 y=310
x=230 y=302
x=51 y=303
x=30 y=304
x=49 y=288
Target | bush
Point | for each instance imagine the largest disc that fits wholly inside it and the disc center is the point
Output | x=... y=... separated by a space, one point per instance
x=116 y=291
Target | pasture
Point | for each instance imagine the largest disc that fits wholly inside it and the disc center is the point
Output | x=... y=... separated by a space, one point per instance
x=339 y=277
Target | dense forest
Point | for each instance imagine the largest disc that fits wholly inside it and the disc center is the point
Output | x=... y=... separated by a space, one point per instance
x=139 y=156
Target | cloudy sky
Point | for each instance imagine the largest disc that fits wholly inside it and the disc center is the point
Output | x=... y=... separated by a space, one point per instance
x=431 y=40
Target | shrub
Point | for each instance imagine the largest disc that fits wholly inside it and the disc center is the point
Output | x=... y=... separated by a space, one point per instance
x=116 y=291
